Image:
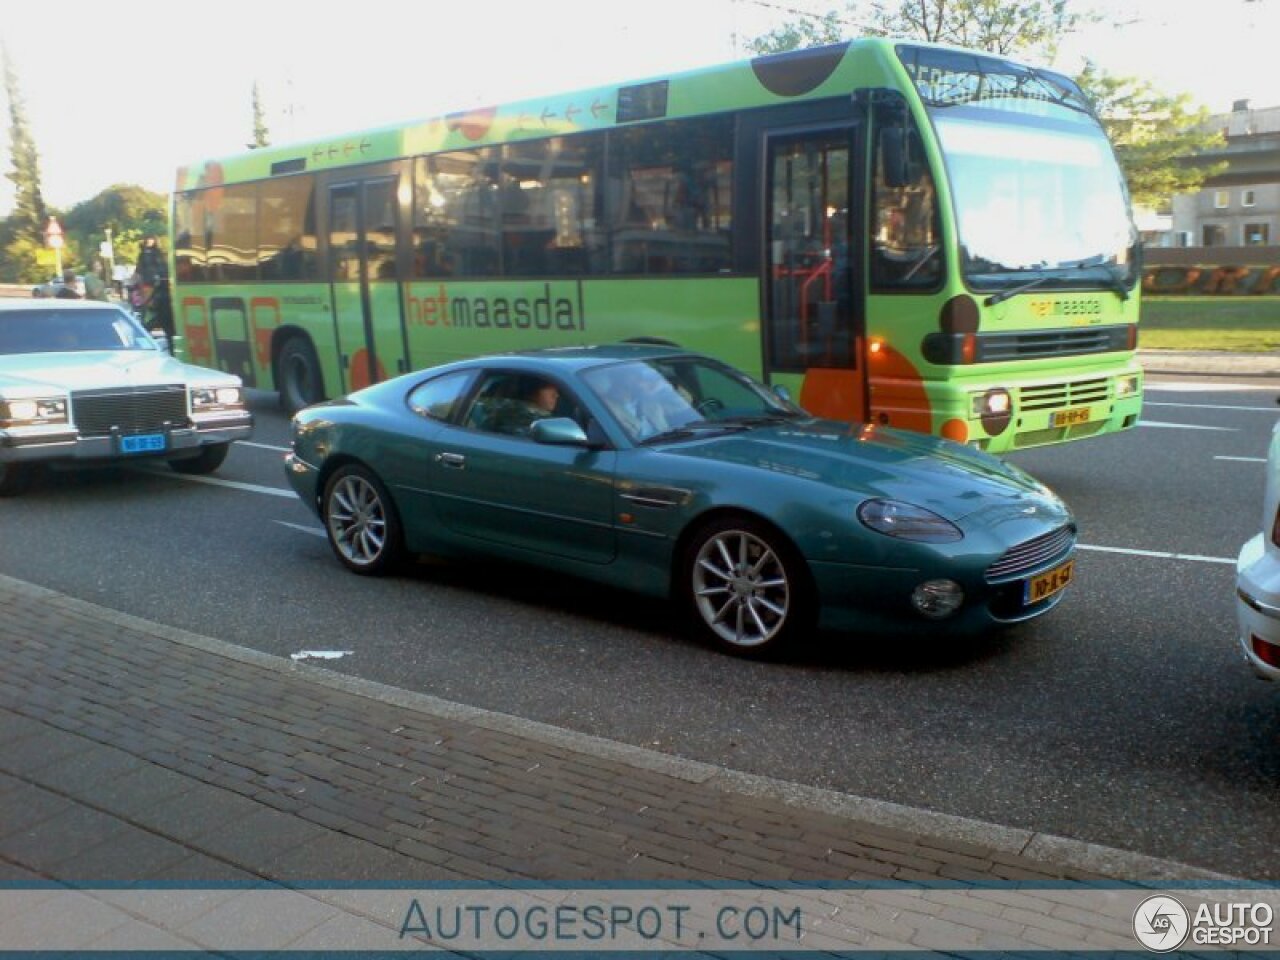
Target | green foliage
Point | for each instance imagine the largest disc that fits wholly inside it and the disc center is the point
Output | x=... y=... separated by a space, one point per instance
x=261 y=135
x=1027 y=27
x=132 y=213
x=1153 y=133
x=29 y=213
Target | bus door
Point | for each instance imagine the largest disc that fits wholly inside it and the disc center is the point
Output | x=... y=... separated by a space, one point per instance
x=363 y=219
x=814 y=317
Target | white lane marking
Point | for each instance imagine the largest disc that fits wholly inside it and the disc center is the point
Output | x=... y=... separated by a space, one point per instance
x=1244 y=459
x=233 y=484
x=1157 y=554
x=261 y=446
x=314 y=531
x=1205 y=387
x=320 y=654
x=1209 y=406
x=1184 y=426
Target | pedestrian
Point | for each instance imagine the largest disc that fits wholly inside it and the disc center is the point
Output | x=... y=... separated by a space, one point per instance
x=95 y=288
x=162 y=309
x=68 y=289
x=150 y=262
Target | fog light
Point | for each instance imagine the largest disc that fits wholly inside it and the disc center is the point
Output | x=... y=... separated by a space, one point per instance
x=937 y=599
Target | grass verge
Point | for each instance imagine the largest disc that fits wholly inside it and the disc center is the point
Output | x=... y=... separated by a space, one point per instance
x=1246 y=325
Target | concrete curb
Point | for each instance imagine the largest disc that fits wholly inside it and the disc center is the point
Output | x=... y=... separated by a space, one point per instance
x=1210 y=363
x=1063 y=852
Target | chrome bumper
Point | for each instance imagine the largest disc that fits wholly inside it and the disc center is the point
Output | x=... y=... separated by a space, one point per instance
x=16 y=447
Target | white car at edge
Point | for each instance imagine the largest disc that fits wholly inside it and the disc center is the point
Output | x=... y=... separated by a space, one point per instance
x=1258 y=579
x=82 y=382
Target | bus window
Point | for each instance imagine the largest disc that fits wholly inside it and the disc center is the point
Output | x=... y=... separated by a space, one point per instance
x=455 y=215
x=671 y=197
x=905 y=229
x=232 y=234
x=380 y=228
x=287 y=229
x=549 y=203
x=189 y=246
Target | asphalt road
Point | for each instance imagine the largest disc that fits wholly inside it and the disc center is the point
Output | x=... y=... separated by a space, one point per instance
x=1124 y=718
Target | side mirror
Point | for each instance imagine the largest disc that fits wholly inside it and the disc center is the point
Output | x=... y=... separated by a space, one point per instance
x=782 y=393
x=559 y=432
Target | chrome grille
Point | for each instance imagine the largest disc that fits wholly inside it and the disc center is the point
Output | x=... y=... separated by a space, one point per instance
x=1025 y=557
x=129 y=409
x=1055 y=396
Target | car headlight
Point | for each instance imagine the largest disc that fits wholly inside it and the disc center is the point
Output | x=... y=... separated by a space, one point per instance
x=216 y=398
x=906 y=521
x=32 y=412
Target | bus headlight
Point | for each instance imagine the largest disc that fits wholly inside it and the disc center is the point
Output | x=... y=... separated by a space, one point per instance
x=993 y=403
x=1126 y=387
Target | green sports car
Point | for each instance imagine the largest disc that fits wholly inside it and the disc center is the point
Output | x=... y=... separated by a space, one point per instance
x=672 y=474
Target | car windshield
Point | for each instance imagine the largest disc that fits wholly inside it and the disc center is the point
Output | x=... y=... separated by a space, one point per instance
x=683 y=397
x=70 y=331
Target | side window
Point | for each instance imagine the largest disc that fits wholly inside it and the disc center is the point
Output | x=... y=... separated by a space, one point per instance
x=190 y=248
x=232 y=232
x=455 y=215
x=510 y=403
x=905 y=230
x=549 y=197
x=287 y=229
x=670 y=202
x=438 y=399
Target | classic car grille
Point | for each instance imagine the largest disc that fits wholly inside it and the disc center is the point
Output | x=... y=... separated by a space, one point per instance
x=130 y=410
x=1055 y=396
x=1031 y=555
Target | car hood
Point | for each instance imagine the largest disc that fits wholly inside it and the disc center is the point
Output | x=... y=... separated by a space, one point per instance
x=98 y=369
x=953 y=480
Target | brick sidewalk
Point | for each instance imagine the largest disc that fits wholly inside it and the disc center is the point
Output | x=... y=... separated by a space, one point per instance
x=130 y=751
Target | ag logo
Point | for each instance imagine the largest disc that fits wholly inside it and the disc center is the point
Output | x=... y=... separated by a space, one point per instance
x=1161 y=923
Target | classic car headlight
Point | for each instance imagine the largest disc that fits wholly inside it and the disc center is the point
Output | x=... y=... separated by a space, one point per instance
x=216 y=398
x=38 y=410
x=906 y=521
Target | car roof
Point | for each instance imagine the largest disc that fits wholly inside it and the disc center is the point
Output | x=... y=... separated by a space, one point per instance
x=9 y=304
x=580 y=357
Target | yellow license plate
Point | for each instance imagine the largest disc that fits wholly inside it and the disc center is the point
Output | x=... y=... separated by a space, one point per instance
x=1068 y=418
x=1045 y=585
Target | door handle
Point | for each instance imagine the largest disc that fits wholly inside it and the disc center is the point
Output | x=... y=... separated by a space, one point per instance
x=455 y=461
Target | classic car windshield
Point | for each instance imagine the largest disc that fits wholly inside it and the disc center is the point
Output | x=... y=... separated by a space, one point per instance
x=70 y=331
x=662 y=397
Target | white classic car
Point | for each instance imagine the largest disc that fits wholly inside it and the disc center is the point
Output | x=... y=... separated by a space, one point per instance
x=1258 y=579
x=82 y=381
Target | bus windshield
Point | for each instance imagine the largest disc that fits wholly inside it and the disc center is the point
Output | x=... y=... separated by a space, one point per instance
x=1035 y=185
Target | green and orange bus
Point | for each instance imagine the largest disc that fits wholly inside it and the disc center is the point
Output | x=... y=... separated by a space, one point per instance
x=898 y=233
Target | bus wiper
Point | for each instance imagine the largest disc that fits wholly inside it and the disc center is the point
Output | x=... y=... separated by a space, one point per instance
x=1000 y=296
x=1114 y=278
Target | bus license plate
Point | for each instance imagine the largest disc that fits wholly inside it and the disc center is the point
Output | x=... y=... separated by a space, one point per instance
x=1069 y=418
x=143 y=443
x=1045 y=585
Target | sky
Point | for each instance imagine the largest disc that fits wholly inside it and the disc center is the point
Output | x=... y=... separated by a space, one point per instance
x=127 y=91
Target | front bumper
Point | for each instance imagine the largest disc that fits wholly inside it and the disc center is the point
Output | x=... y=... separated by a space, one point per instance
x=65 y=443
x=304 y=478
x=1258 y=605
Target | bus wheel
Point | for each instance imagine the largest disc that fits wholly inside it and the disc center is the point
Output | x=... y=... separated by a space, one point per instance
x=298 y=375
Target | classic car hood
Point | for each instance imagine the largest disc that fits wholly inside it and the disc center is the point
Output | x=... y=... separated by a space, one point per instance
x=94 y=369
x=948 y=478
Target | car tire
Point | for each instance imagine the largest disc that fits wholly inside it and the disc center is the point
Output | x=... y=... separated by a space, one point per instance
x=207 y=460
x=15 y=478
x=298 y=376
x=746 y=587
x=361 y=521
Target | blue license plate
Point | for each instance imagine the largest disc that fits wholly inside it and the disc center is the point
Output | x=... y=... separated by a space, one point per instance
x=144 y=443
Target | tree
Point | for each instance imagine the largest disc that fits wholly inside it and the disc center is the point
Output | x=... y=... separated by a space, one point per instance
x=22 y=234
x=261 y=136
x=1154 y=134
x=132 y=212
x=1029 y=27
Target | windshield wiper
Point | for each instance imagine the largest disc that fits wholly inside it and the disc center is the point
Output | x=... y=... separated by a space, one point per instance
x=1000 y=296
x=692 y=430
